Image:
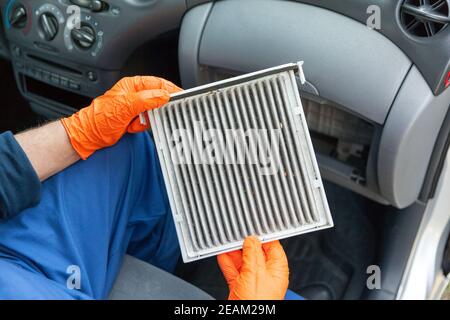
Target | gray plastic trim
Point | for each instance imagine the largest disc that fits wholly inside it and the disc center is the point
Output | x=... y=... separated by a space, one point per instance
x=347 y=62
x=430 y=55
x=189 y=43
x=408 y=139
x=396 y=240
x=423 y=263
x=138 y=280
x=437 y=161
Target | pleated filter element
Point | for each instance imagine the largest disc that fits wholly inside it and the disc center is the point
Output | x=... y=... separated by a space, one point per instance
x=237 y=160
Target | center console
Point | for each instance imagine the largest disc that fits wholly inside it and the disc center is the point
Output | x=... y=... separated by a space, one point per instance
x=65 y=52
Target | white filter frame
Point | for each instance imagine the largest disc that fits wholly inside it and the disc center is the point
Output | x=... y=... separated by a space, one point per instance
x=317 y=202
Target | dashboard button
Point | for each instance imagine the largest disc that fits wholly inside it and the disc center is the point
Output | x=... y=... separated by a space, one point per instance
x=64 y=82
x=55 y=79
x=30 y=70
x=17 y=51
x=46 y=76
x=92 y=76
x=19 y=65
x=37 y=73
x=74 y=85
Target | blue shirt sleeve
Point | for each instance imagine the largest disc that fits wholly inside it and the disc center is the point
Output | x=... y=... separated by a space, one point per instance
x=20 y=187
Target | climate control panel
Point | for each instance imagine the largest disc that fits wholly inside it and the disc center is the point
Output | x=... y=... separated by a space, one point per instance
x=79 y=47
x=96 y=33
x=67 y=27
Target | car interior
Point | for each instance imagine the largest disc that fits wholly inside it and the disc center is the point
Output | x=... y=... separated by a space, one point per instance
x=376 y=102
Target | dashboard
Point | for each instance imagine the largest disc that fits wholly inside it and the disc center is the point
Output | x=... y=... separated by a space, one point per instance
x=81 y=45
x=393 y=81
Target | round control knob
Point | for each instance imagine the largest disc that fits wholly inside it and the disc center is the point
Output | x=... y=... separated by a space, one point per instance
x=83 y=37
x=18 y=17
x=49 y=26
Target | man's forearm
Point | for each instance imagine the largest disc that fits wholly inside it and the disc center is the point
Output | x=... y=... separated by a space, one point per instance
x=48 y=148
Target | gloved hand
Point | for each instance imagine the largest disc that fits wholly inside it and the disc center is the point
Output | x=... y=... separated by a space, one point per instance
x=257 y=272
x=115 y=113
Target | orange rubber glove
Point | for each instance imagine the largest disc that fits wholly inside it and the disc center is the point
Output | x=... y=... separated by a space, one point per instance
x=110 y=116
x=257 y=272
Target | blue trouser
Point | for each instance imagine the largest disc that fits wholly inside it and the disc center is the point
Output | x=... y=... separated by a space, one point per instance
x=90 y=215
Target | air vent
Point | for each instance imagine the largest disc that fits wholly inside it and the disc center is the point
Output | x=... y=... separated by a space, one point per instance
x=425 y=18
x=217 y=198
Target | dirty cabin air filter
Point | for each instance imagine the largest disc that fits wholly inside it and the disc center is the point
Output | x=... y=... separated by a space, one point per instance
x=237 y=160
